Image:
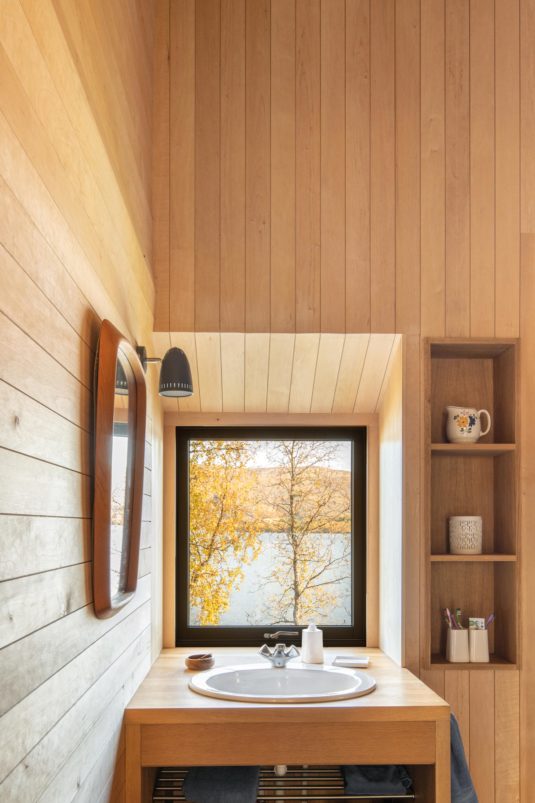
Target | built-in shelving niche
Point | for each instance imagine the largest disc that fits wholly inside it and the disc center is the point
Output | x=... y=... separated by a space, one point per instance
x=472 y=479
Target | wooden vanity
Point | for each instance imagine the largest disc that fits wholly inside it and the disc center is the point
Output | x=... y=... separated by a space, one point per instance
x=401 y=722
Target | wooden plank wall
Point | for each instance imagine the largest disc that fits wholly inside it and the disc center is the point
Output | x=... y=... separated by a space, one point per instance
x=357 y=169
x=338 y=166
x=75 y=243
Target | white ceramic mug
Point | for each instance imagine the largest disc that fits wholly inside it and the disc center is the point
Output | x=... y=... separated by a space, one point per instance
x=464 y=424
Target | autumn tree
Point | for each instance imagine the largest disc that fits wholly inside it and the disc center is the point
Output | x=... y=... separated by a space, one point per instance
x=308 y=506
x=223 y=528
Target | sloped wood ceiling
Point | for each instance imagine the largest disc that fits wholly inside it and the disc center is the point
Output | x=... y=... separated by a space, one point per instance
x=281 y=373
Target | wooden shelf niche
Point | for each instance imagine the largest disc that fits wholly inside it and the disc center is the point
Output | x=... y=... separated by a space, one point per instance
x=478 y=479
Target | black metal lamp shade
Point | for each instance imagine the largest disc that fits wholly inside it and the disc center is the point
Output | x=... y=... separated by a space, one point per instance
x=175 y=374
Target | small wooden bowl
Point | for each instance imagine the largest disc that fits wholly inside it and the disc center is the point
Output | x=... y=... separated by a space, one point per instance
x=200 y=661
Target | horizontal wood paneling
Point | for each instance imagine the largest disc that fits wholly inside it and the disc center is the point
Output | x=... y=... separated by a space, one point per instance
x=75 y=247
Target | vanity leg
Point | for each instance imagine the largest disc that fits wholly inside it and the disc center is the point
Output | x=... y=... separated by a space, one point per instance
x=133 y=764
x=442 y=762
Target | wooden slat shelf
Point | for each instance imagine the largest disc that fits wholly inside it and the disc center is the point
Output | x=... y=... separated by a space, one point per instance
x=494 y=558
x=472 y=449
x=439 y=662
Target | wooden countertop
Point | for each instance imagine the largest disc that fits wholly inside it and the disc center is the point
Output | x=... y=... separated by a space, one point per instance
x=164 y=696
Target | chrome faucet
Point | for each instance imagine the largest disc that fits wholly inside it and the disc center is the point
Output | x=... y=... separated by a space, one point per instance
x=281 y=633
x=279 y=655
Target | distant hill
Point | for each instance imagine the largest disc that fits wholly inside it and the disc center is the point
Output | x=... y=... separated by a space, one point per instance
x=325 y=487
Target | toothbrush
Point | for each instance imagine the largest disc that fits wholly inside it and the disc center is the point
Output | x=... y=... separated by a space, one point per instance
x=458 y=614
x=490 y=620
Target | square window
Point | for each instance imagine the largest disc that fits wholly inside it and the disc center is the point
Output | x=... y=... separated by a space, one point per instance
x=271 y=533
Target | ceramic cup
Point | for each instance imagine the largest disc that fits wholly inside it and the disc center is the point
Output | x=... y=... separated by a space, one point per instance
x=457 y=647
x=464 y=424
x=479 y=646
x=466 y=535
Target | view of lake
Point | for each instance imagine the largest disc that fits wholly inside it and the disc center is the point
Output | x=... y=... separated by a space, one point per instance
x=250 y=599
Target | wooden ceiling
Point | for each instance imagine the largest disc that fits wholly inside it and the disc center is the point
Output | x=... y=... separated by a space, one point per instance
x=281 y=373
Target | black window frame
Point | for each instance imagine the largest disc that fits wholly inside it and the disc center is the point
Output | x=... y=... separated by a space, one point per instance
x=245 y=636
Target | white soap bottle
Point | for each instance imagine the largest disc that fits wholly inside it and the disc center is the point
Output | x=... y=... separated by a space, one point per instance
x=312 y=645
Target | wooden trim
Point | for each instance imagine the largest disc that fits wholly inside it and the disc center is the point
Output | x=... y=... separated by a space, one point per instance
x=111 y=344
x=172 y=420
x=271 y=419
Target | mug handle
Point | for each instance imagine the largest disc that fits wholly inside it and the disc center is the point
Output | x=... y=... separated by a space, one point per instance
x=480 y=413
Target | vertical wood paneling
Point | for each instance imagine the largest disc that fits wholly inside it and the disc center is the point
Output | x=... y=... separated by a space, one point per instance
x=433 y=246
x=482 y=733
x=482 y=175
x=457 y=100
x=258 y=158
x=307 y=166
x=507 y=212
x=333 y=165
x=207 y=164
x=408 y=167
x=357 y=226
x=507 y=733
x=527 y=467
x=283 y=144
x=232 y=187
x=383 y=171
x=182 y=167
x=160 y=166
x=457 y=694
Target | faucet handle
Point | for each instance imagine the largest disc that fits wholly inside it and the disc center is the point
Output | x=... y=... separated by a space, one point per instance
x=279 y=655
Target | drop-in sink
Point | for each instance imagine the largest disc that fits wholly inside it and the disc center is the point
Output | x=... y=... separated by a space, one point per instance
x=295 y=683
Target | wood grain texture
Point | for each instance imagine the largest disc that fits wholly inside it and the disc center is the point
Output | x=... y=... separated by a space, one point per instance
x=408 y=157
x=507 y=132
x=232 y=177
x=207 y=165
x=76 y=243
x=382 y=168
x=482 y=169
x=182 y=166
x=333 y=166
x=257 y=166
x=307 y=165
x=482 y=734
x=433 y=213
x=457 y=143
x=283 y=168
x=357 y=146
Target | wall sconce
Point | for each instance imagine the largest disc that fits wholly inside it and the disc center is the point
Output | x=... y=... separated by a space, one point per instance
x=175 y=373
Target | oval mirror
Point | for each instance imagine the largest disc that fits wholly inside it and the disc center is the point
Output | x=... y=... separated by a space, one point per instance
x=119 y=460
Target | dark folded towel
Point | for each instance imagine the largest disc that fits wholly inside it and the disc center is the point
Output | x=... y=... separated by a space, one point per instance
x=462 y=788
x=221 y=784
x=376 y=779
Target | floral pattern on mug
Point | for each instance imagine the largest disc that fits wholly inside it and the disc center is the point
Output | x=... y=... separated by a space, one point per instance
x=465 y=422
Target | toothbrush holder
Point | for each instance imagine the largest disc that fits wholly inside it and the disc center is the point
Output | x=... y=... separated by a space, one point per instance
x=479 y=646
x=457 y=651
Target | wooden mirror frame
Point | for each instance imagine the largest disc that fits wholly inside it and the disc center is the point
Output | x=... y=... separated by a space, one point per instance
x=112 y=344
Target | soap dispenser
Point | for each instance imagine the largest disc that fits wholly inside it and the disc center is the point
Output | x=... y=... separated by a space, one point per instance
x=312 y=645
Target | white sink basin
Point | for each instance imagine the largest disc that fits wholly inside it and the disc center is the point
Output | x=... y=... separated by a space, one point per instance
x=296 y=683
